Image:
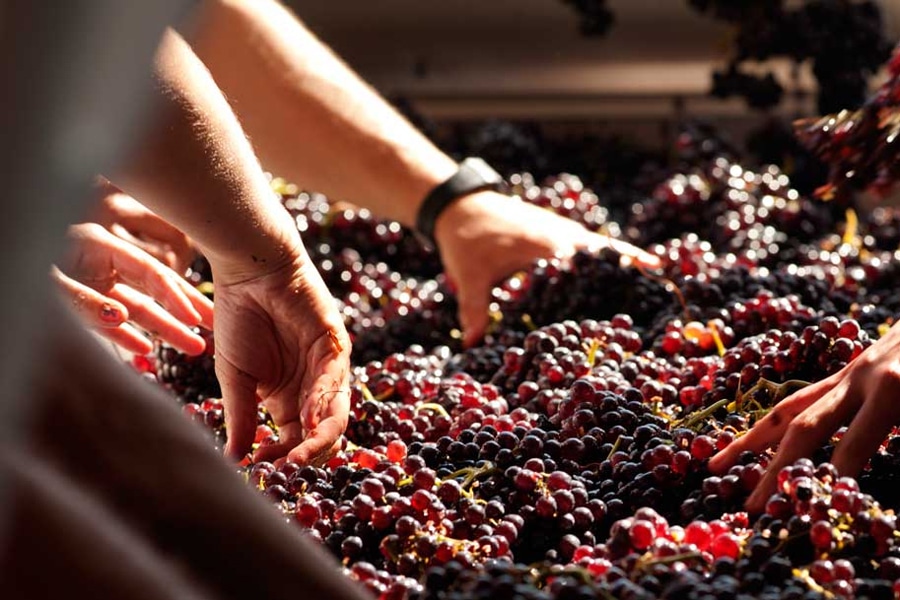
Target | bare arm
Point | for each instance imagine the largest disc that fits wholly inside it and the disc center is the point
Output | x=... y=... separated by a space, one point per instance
x=198 y=171
x=315 y=122
x=279 y=336
x=310 y=117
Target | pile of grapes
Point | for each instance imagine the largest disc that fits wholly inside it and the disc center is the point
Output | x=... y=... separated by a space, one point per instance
x=565 y=457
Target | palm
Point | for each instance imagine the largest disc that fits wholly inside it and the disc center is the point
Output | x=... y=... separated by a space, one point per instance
x=279 y=339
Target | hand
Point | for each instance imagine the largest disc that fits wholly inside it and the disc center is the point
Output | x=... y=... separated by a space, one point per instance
x=487 y=236
x=280 y=340
x=111 y=282
x=133 y=222
x=864 y=393
x=109 y=458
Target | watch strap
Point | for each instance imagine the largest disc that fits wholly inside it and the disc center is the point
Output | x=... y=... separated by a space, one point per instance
x=473 y=175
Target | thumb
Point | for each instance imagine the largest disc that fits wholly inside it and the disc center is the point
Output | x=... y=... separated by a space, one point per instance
x=239 y=398
x=473 y=311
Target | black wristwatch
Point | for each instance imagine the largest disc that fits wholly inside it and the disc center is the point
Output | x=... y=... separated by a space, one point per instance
x=473 y=175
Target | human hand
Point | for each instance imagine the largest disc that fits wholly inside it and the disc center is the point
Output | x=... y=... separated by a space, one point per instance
x=863 y=393
x=133 y=222
x=487 y=236
x=109 y=458
x=114 y=286
x=281 y=340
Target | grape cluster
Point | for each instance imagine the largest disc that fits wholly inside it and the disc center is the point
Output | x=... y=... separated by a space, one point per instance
x=191 y=378
x=755 y=216
x=858 y=144
x=566 y=456
x=845 y=41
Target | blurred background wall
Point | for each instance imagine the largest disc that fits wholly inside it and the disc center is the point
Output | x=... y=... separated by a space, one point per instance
x=526 y=58
x=458 y=63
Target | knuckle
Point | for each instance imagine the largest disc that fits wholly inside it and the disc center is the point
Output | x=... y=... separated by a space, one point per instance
x=803 y=427
x=93 y=230
x=780 y=413
x=892 y=372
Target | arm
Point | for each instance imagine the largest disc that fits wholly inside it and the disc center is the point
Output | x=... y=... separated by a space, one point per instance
x=198 y=171
x=311 y=118
x=316 y=122
x=279 y=336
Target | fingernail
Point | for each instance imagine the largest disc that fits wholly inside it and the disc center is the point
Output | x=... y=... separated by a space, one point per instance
x=110 y=314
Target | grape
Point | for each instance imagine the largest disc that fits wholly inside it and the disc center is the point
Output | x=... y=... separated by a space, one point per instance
x=566 y=455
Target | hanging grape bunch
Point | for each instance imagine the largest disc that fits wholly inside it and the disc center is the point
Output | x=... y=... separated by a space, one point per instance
x=859 y=146
x=844 y=41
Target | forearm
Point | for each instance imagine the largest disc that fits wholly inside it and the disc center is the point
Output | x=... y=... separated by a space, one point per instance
x=310 y=118
x=198 y=171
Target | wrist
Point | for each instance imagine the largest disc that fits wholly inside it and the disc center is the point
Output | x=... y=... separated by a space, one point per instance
x=262 y=252
x=467 y=215
x=473 y=175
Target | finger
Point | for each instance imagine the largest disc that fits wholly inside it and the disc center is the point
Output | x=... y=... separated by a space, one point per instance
x=124 y=214
x=474 y=298
x=129 y=338
x=767 y=431
x=150 y=227
x=158 y=251
x=634 y=254
x=867 y=431
x=104 y=257
x=326 y=403
x=201 y=304
x=97 y=310
x=290 y=436
x=145 y=273
x=295 y=414
x=153 y=318
x=321 y=443
x=804 y=435
x=240 y=401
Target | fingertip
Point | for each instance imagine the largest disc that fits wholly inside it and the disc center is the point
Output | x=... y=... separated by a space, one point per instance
x=474 y=322
x=193 y=345
x=136 y=345
x=756 y=503
x=201 y=305
x=205 y=310
x=194 y=317
x=240 y=436
x=471 y=337
x=112 y=313
x=129 y=338
x=231 y=451
x=718 y=464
